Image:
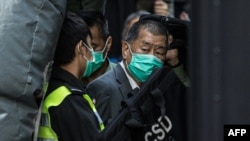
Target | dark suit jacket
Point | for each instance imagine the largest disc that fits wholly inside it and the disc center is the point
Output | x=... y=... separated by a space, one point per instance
x=109 y=90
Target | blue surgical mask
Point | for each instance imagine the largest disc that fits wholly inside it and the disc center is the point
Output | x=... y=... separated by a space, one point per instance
x=142 y=65
x=90 y=63
x=99 y=59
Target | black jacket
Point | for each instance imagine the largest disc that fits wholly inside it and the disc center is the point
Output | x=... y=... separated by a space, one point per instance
x=73 y=119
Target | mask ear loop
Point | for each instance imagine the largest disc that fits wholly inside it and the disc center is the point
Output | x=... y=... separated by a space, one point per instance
x=129 y=47
x=105 y=46
x=91 y=50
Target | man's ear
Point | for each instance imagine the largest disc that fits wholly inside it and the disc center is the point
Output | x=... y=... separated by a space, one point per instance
x=109 y=43
x=79 y=49
x=125 y=50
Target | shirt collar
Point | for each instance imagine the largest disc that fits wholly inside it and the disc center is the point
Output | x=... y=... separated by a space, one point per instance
x=130 y=79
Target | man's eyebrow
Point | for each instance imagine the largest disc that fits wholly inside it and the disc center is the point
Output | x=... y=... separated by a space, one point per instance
x=93 y=43
x=152 y=44
x=147 y=43
x=160 y=47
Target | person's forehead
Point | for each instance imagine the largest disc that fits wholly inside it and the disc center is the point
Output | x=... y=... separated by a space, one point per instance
x=96 y=37
x=146 y=36
x=95 y=31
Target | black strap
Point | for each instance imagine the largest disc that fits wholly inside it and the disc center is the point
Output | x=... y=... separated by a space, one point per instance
x=135 y=120
x=155 y=97
x=168 y=80
x=158 y=94
x=159 y=100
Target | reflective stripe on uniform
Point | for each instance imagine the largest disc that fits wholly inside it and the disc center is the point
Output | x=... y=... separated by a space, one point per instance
x=44 y=121
x=92 y=106
x=43 y=139
x=55 y=98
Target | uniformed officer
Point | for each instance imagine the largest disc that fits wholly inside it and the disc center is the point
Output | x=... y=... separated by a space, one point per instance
x=68 y=113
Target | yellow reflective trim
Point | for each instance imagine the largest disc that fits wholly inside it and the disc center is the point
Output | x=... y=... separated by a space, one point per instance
x=53 y=99
x=57 y=96
x=44 y=120
x=92 y=106
x=102 y=126
x=47 y=133
x=45 y=139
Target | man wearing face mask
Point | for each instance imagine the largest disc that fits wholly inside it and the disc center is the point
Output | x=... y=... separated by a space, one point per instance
x=143 y=51
x=101 y=43
x=68 y=113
